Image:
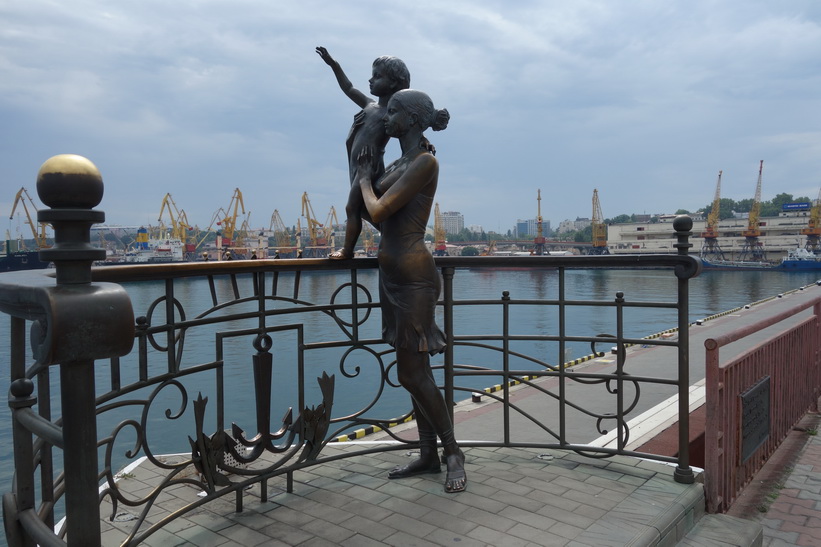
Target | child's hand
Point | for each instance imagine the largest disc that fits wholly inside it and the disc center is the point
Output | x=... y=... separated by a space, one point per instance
x=322 y=52
x=366 y=162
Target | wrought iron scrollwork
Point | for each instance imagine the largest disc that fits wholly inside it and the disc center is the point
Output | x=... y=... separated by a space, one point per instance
x=347 y=326
x=207 y=453
x=313 y=422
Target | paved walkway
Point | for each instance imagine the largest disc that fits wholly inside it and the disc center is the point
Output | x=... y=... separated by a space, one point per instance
x=516 y=497
x=785 y=496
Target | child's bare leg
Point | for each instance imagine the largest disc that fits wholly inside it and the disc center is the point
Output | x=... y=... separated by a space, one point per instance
x=353 y=224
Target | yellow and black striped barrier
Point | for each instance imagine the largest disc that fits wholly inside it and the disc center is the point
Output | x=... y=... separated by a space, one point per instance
x=370 y=430
x=361 y=433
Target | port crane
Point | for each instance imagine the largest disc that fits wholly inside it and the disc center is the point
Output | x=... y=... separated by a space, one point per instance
x=368 y=241
x=319 y=233
x=228 y=220
x=330 y=225
x=241 y=244
x=216 y=220
x=282 y=238
x=813 y=229
x=298 y=237
x=439 y=237
x=490 y=249
x=752 y=248
x=710 y=247
x=38 y=230
x=538 y=242
x=598 y=227
x=178 y=222
x=313 y=224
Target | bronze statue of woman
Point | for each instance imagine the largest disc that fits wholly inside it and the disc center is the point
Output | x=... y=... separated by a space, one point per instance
x=399 y=203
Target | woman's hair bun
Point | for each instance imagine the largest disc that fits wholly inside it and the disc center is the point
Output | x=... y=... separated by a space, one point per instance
x=440 y=119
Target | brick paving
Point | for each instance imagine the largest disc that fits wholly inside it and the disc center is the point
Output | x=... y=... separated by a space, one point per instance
x=516 y=496
x=785 y=496
x=794 y=518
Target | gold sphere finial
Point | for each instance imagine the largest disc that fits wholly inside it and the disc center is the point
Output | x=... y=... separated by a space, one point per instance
x=69 y=181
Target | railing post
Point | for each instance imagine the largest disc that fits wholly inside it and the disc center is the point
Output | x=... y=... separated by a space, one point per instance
x=620 y=359
x=20 y=396
x=683 y=473
x=71 y=186
x=447 y=277
x=506 y=365
x=714 y=441
x=816 y=311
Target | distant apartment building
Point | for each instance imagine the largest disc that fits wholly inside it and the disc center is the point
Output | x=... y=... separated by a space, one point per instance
x=453 y=222
x=530 y=227
x=526 y=227
x=476 y=228
x=573 y=225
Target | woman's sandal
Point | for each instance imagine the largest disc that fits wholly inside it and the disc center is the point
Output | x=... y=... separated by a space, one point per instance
x=444 y=458
x=412 y=469
x=456 y=481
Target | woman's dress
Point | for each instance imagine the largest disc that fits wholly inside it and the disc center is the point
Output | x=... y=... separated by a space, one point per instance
x=409 y=282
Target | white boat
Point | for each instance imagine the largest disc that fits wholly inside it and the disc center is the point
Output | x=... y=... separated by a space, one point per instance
x=152 y=251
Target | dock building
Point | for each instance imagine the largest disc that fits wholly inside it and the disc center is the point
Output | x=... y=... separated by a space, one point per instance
x=778 y=236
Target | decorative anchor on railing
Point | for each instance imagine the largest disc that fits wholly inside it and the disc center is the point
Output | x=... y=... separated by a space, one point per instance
x=264 y=439
x=311 y=425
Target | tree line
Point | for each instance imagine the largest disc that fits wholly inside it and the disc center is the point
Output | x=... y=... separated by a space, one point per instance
x=728 y=208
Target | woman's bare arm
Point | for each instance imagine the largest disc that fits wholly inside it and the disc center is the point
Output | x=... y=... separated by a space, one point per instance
x=421 y=172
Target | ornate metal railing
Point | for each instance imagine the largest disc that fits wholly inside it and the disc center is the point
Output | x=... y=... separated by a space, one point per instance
x=198 y=328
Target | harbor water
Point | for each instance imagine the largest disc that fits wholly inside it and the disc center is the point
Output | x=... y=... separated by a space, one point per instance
x=711 y=293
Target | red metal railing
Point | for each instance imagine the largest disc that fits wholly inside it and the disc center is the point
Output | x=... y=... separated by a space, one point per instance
x=792 y=361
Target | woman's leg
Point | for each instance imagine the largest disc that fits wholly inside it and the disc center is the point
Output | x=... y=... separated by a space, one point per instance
x=428 y=461
x=416 y=376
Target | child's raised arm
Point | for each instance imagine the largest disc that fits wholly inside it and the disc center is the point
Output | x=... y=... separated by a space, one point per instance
x=344 y=83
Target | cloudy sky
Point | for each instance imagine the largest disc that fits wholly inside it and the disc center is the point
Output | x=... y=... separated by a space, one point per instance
x=644 y=100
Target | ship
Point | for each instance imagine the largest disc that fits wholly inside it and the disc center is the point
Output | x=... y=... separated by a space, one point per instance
x=151 y=251
x=15 y=255
x=799 y=259
x=12 y=261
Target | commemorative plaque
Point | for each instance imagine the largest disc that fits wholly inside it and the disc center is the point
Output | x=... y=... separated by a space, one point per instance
x=755 y=417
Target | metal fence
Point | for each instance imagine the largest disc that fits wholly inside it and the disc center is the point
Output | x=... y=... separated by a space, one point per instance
x=116 y=368
x=755 y=399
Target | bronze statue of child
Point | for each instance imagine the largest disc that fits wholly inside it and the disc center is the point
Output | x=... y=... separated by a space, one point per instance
x=389 y=75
